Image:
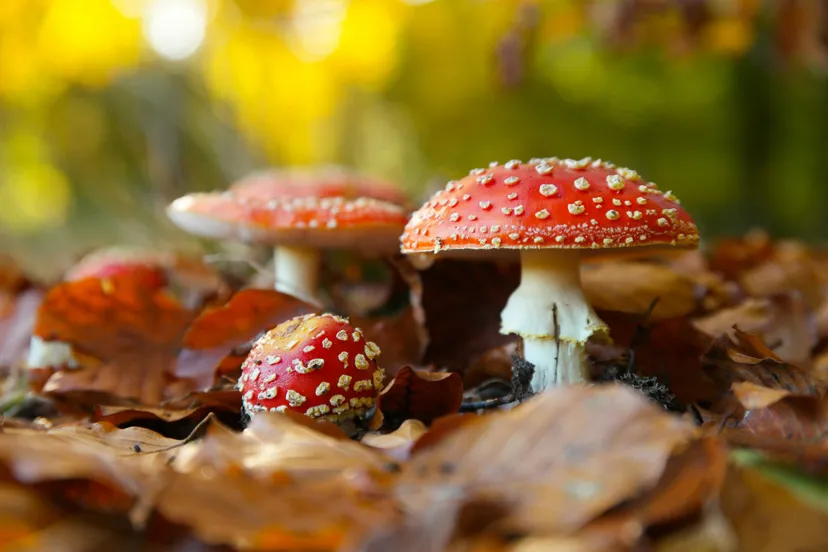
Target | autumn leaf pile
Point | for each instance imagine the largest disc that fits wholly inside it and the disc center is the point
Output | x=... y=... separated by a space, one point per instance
x=706 y=427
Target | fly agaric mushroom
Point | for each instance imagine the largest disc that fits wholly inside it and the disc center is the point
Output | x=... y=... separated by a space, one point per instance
x=317 y=365
x=298 y=229
x=325 y=181
x=150 y=267
x=552 y=212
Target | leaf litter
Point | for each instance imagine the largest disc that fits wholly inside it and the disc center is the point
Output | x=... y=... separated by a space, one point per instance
x=711 y=353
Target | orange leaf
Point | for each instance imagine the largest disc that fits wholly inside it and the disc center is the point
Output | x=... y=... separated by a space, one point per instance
x=123 y=338
x=216 y=339
x=419 y=395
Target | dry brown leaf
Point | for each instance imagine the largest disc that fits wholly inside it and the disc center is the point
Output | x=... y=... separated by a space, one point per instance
x=726 y=363
x=691 y=483
x=279 y=485
x=419 y=395
x=767 y=516
x=211 y=342
x=783 y=322
x=398 y=443
x=443 y=427
x=631 y=287
x=123 y=338
x=553 y=463
x=776 y=414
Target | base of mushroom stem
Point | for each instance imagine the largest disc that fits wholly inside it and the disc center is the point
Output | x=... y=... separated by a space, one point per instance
x=557 y=362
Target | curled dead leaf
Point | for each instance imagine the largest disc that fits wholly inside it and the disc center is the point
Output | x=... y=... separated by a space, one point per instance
x=782 y=321
x=727 y=362
x=419 y=395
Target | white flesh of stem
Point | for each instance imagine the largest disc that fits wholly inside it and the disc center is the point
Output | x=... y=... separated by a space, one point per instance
x=551 y=313
x=297 y=271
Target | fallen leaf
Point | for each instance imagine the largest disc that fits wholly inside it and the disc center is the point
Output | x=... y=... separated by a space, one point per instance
x=442 y=428
x=194 y=406
x=279 y=485
x=767 y=515
x=121 y=342
x=215 y=343
x=726 y=363
x=553 y=464
x=631 y=287
x=775 y=414
x=782 y=321
x=398 y=443
x=418 y=395
x=691 y=483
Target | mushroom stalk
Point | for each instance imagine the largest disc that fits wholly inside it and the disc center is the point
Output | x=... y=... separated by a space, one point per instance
x=297 y=271
x=551 y=313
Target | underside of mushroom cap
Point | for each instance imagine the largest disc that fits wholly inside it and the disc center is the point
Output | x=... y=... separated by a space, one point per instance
x=335 y=222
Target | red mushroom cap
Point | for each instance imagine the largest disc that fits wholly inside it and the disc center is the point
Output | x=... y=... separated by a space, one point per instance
x=149 y=267
x=325 y=181
x=327 y=222
x=549 y=203
x=317 y=365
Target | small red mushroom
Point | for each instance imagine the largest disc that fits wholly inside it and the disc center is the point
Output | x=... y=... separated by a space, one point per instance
x=317 y=365
x=552 y=212
x=148 y=267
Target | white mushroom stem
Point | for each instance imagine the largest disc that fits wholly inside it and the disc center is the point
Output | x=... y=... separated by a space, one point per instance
x=297 y=271
x=551 y=313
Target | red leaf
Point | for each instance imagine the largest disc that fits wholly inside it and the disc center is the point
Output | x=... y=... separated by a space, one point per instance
x=211 y=341
x=123 y=338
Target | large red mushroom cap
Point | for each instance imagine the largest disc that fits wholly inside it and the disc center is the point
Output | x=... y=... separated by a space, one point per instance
x=549 y=203
x=324 y=181
x=334 y=222
x=317 y=365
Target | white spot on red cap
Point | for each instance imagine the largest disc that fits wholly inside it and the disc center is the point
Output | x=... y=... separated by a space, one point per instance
x=547 y=190
x=615 y=182
x=581 y=184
